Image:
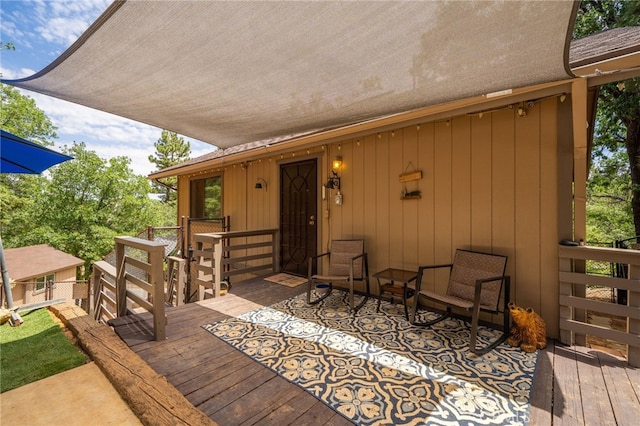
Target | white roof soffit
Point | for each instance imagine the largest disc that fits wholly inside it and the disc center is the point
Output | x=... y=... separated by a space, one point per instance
x=228 y=73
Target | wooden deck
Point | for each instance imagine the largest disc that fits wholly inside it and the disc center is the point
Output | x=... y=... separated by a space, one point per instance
x=572 y=385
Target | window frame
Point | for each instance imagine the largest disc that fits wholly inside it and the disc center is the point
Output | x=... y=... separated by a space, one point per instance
x=197 y=196
x=42 y=281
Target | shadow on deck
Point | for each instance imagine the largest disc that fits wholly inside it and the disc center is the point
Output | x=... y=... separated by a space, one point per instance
x=572 y=385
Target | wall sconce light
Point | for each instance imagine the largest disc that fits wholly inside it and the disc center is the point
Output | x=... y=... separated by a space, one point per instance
x=259 y=184
x=520 y=111
x=337 y=163
x=333 y=182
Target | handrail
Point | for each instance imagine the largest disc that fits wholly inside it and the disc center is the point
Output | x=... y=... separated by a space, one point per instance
x=115 y=287
x=104 y=291
x=154 y=285
x=221 y=255
x=572 y=299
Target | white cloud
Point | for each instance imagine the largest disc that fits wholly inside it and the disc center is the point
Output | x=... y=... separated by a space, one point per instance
x=11 y=74
x=107 y=134
x=62 y=22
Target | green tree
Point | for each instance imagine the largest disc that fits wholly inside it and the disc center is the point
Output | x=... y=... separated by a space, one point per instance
x=84 y=204
x=20 y=115
x=78 y=206
x=609 y=199
x=617 y=128
x=171 y=149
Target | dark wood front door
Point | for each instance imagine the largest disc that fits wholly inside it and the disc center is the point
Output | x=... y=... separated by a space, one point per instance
x=298 y=215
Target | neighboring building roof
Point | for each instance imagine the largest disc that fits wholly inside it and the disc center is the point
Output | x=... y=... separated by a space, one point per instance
x=29 y=262
x=234 y=73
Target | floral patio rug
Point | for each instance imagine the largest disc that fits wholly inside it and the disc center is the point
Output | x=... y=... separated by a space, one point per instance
x=377 y=369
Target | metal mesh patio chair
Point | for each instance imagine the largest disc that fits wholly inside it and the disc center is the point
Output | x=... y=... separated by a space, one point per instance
x=475 y=284
x=347 y=264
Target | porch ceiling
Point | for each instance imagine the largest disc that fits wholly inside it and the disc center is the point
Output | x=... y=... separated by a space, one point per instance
x=230 y=73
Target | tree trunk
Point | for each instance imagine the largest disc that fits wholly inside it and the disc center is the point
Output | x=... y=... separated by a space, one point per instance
x=632 y=144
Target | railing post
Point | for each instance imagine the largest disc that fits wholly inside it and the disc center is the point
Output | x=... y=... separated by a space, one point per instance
x=157 y=282
x=565 y=312
x=183 y=236
x=218 y=255
x=275 y=250
x=633 y=324
x=121 y=281
x=176 y=278
x=579 y=290
x=181 y=279
x=93 y=291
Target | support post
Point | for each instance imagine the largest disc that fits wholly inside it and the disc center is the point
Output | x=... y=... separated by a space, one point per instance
x=633 y=324
x=157 y=282
x=121 y=281
x=566 y=312
x=580 y=126
x=218 y=251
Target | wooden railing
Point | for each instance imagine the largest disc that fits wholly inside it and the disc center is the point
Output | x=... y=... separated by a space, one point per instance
x=176 y=280
x=103 y=299
x=573 y=303
x=222 y=255
x=118 y=291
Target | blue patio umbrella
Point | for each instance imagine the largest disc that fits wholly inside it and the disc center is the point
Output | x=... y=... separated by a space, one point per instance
x=22 y=156
x=19 y=155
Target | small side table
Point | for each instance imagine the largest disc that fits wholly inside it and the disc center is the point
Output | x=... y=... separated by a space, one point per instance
x=394 y=276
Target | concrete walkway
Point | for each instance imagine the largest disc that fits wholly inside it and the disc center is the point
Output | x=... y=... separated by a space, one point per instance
x=80 y=396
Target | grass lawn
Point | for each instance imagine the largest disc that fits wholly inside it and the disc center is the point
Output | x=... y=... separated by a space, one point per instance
x=34 y=350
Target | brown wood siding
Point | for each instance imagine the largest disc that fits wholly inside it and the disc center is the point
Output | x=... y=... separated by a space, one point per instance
x=441 y=199
x=527 y=207
x=549 y=212
x=489 y=183
x=378 y=241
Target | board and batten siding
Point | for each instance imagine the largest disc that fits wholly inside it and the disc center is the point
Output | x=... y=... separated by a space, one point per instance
x=489 y=183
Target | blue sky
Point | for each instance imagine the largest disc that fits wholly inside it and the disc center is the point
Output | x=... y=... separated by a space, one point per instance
x=42 y=30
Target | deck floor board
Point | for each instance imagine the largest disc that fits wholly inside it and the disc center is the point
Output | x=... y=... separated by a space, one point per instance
x=229 y=389
x=290 y=411
x=620 y=390
x=572 y=385
x=592 y=387
x=235 y=370
x=263 y=400
x=542 y=392
x=567 y=403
